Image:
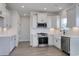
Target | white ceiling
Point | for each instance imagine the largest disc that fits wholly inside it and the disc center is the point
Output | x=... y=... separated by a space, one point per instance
x=51 y=7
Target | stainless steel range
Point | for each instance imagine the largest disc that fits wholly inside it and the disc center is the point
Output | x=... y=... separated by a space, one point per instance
x=42 y=39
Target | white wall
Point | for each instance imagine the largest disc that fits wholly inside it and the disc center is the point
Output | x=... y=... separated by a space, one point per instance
x=77 y=15
x=24 y=28
x=15 y=18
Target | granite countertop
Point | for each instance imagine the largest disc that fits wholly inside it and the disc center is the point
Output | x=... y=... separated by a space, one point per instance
x=71 y=36
x=7 y=33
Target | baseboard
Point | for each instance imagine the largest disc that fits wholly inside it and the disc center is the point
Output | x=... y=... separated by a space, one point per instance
x=50 y=45
x=24 y=41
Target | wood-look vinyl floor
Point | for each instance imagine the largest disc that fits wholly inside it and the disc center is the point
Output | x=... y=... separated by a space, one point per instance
x=25 y=50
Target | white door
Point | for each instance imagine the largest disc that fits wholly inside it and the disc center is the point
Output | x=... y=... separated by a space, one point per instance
x=25 y=29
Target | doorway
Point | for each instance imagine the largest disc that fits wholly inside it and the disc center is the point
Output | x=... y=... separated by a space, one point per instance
x=24 y=28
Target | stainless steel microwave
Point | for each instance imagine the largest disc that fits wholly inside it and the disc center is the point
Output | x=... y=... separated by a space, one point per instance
x=44 y=25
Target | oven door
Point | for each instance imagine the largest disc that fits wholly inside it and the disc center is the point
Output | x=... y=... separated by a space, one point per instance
x=43 y=41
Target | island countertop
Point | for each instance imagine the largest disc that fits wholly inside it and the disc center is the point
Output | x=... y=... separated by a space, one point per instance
x=7 y=33
x=71 y=36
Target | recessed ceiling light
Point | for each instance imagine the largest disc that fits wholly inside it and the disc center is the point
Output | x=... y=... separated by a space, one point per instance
x=22 y=6
x=45 y=8
x=60 y=8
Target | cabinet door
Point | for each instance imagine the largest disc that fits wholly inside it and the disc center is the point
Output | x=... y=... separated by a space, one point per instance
x=2 y=11
x=7 y=21
x=1 y=22
x=71 y=18
x=74 y=49
x=4 y=45
x=42 y=17
x=2 y=16
x=50 y=40
x=49 y=23
x=54 y=41
x=12 y=42
x=57 y=42
x=52 y=21
x=35 y=41
x=14 y=37
x=34 y=23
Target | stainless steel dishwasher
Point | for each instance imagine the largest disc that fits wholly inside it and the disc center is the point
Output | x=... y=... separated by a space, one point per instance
x=65 y=44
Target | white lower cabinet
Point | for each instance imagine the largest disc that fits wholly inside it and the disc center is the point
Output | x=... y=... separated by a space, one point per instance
x=12 y=42
x=35 y=41
x=4 y=45
x=57 y=42
x=50 y=40
x=7 y=44
x=31 y=39
x=54 y=41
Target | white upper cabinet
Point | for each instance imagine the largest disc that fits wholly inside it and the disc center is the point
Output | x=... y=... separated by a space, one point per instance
x=4 y=16
x=2 y=9
x=7 y=22
x=34 y=23
x=38 y=18
x=52 y=21
x=33 y=20
x=42 y=18
x=73 y=17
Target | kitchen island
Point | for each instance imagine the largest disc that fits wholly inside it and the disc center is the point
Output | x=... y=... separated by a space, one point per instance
x=74 y=42
x=7 y=42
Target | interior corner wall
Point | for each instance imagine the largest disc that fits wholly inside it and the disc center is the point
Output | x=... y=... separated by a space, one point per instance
x=15 y=18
